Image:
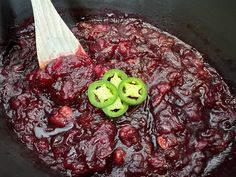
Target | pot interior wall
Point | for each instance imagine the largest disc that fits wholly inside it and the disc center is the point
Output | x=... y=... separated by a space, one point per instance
x=209 y=26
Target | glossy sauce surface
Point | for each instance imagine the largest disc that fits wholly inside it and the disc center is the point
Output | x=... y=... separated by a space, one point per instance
x=186 y=121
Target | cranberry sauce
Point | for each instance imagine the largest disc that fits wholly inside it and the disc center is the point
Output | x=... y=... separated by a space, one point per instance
x=186 y=121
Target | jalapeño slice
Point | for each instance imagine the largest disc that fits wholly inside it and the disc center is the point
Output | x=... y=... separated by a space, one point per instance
x=118 y=108
x=132 y=91
x=115 y=76
x=102 y=93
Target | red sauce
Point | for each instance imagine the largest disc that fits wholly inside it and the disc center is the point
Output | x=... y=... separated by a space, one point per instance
x=186 y=121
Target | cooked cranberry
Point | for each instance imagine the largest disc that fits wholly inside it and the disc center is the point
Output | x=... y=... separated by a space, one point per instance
x=65 y=111
x=159 y=164
x=168 y=122
x=104 y=140
x=167 y=141
x=40 y=76
x=84 y=120
x=119 y=156
x=64 y=90
x=62 y=117
x=128 y=135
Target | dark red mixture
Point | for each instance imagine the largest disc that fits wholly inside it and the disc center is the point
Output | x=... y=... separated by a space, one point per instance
x=186 y=121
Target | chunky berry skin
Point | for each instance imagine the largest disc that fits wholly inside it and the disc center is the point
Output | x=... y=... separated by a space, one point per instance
x=187 y=119
x=128 y=135
x=167 y=141
x=62 y=117
x=119 y=156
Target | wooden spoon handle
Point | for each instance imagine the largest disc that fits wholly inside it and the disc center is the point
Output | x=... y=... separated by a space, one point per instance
x=53 y=37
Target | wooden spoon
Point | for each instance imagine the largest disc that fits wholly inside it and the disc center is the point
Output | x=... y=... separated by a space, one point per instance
x=53 y=37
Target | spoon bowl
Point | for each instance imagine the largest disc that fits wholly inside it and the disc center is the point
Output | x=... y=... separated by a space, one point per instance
x=53 y=37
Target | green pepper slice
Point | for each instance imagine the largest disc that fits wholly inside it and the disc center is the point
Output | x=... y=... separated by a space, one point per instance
x=102 y=93
x=132 y=91
x=115 y=76
x=118 y=108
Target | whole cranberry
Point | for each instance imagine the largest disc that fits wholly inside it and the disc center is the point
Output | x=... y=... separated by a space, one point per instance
x=62 y=117
x=167 y=141
x=119 y=156
x=65 y=111
x=128 y=135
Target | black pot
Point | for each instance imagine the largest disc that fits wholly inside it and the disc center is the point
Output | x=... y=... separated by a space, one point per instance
x=208 y=25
